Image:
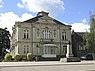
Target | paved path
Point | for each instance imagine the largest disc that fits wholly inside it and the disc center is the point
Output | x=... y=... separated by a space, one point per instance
x=48 y=66
x=43 y=63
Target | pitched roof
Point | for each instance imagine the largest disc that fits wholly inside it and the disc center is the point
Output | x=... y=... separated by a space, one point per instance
x=32 y=19
x=80 y=33
x=39 y=16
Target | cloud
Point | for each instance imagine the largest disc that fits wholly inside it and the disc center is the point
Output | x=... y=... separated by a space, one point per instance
x=84 y=21
x=80 y=27
x=8 y=19
x=20 y=5
x=1 y=3
x=52 y=6
x=0 y=6
x=26 y=16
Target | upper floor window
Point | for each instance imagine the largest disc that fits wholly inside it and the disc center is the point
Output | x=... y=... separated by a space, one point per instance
x=46 y=34
x=26 y=34
x=64 y=36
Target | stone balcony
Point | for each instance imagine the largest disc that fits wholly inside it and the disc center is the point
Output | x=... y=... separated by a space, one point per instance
x=43 y=40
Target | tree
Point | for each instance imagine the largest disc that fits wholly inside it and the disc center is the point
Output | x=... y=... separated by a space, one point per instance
x=4 y=41
x=89 y=40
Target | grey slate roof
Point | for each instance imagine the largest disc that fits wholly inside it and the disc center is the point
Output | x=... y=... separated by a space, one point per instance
x=32 y=19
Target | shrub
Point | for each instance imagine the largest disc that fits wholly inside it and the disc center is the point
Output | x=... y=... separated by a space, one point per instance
x=17 y=57
x=7 y=58
x=29 y=56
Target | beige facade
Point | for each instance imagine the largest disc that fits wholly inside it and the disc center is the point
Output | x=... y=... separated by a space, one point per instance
x=42 y=36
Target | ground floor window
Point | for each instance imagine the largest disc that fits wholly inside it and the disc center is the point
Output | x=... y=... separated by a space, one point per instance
x=26 y=48
x=64 y=49
x=50 y=49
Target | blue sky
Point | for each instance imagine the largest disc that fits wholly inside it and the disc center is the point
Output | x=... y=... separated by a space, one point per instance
x=73 y=12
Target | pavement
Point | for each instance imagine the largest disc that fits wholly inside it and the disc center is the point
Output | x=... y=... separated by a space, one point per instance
x=43 y=63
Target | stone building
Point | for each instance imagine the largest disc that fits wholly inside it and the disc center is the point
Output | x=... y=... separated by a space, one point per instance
x=77 y=44
x=42 y=36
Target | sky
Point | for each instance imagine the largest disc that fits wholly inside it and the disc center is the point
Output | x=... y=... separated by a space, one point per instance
x=73 y=12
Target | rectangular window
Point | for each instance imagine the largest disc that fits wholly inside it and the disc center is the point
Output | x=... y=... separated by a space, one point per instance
x=52 y=50
x=49 y=50
x=26 y=34
x=45 y=50
x=64 y=49
x=26 y=48
x=64 y=36
x=46 y=34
